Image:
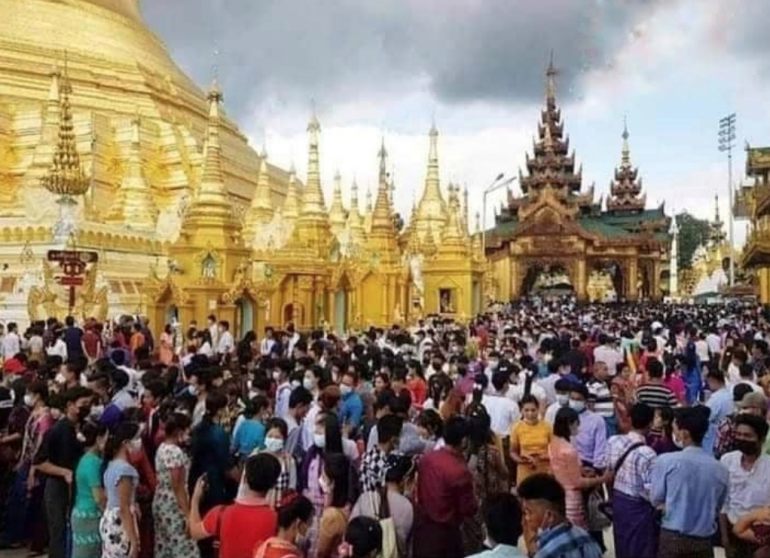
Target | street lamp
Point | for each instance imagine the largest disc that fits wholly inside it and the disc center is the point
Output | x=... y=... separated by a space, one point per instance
x=726 y=139
x=494 y=185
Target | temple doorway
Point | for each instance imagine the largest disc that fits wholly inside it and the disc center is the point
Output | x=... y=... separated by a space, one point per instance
x=289 y=312
x=547 y=281
x=244 y=317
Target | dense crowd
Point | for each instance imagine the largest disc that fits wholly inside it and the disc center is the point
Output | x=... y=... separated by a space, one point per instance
x=527 y=431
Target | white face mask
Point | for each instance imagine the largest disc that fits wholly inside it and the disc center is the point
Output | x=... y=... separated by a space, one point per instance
x=135 y=445
x=28 y=399
x=274 y=445
x=295 y=384
x=277 y=375
x=345 y=390
x=562 y=400
x=193 y=390
x=60 y=379
x=319 y=440
x=97 y=411
x=308 y=384
x=578 y=406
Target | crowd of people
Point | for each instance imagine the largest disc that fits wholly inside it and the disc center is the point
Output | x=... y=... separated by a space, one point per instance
x=526 y=432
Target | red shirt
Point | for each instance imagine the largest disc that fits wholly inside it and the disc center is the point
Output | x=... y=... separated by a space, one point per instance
x=445 y=487
x=419 y=390
x=240 y=528
x=91 y=342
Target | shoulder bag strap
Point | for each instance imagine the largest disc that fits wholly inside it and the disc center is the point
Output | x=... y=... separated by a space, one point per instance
x=623 y=458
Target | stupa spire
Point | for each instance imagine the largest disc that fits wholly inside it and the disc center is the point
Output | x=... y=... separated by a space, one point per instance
x=135 y=204
x=337 y=216
x=66 y=177
x=626 y=188
x=291 y=205
x=261 y=208
x=313 y=198
x=431 y=209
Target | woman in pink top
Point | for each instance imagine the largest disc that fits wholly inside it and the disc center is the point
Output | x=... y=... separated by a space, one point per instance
x=674 y=381
x=565 y=465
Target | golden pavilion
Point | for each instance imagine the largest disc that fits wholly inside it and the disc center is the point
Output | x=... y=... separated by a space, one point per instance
x=108 y=148
x=756 y=252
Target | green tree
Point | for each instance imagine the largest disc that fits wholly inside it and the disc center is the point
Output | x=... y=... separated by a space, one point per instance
x=692 y=233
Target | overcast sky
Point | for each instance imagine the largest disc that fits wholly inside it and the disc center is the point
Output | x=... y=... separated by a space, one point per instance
x=671 y=67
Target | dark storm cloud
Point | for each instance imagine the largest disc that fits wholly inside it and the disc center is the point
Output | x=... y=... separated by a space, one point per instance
x=341 y=50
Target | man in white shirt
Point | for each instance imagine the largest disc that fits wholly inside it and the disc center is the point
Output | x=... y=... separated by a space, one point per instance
x=268 y=342
x=213 y=331
x=562 y=386
x=748 y=485
x=11 y=345
x=714 y=342
x=226 y=344
x=503 y=411
x=607 y=353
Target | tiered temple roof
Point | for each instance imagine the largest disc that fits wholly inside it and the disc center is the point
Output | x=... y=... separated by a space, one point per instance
x=626 y=188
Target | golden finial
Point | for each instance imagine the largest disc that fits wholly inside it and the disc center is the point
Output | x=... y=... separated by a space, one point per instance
x=551 y=73
x=66 y=177
x=626 y=156
x=382 y=154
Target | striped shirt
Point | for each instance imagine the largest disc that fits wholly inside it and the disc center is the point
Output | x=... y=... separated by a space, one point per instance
x=656 y=395
x=604 y=405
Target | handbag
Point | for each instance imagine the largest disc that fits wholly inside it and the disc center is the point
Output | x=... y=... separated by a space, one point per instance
x=389 y=539
x=606 y=507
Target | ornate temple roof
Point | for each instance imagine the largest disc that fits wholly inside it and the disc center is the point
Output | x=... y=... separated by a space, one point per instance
x=626 y=187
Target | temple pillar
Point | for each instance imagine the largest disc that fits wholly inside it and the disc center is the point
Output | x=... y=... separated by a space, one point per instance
x=763 y=274
x=515 y=279
x=632 y=280
x=656 y=293
x=581 y=281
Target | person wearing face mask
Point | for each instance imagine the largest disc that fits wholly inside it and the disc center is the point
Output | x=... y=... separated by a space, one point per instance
x=294 y=517
x=283 y=387
x=544 y=503
x=118 y=526
x=591 y=438
x=445 y=495
x=561 y=388
x=334 y=483
x=311 y=383
x=171 y=504
x=59 y=453
x=275 y=445
x=89 y=493
x=352 y=407
x=692 y=487
x=748 y=482
x=25 y=493
x=745 y=401
x=375 y=461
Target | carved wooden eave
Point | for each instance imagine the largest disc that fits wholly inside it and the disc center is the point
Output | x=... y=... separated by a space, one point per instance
x=756 y=253
x=547 y=198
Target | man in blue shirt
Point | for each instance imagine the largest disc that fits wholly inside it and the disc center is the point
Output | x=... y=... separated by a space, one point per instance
x=352 y=406
x=692 y=487
x=721 y=405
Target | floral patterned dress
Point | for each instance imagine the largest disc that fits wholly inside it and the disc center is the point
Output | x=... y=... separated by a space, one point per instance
x=171 y=535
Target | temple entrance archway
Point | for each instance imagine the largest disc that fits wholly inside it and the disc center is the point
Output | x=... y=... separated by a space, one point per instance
x=613 y=277
x=244 y=317
x=547 y=280
x=294 y=312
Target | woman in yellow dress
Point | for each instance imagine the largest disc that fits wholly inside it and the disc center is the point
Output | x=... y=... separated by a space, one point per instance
x=529 y=441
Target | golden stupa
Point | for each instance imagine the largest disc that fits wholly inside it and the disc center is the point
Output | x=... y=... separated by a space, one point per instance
x=186 y=218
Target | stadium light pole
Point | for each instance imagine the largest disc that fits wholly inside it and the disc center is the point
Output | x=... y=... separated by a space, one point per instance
x=726 y=139
x=496 y=184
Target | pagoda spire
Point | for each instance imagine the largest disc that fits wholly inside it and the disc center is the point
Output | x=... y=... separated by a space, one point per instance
x=261 y=208
x=626 y=187
x=291 y=202
x=66 y=177
x=135 y=205
x=550 y=91
x=717 y=235
x=53 y=104
x=431 y=209
x=337 y=210
x=355 y=221
x=313 y=199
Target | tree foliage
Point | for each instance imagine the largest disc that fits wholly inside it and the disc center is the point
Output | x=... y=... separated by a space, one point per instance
x=692 y=233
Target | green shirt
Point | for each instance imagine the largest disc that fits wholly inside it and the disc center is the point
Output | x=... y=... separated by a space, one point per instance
x=87 y=477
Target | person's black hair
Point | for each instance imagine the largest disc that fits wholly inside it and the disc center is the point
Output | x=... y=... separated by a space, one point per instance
x=255 y=405
x=279 y=424
x=543 y=487
x=176 y=422
x=364 y=534
x=479 y=427
x=562 y=385
x=91 y=431
x=300 y=508
x=456 y=430
x=740 y=391
x=118 y=358
x=388 y=428
x=401 y=403
x=122 y=433
x=716 y=375
x=215 y=402
x=262 y=472
x=39 y=388
x=73 y=394
x=746 y=371
x=119 y=379
x=642 y=416
x=431 y=421
x=157 y=388
x=579 y=388
x=333 y=434
x=654 y=368
x=499 y=379
x=337 y=468
x=528 y=399
x=565 y=417
x=300 y=396
x=693 y=421
x=503 y=518
x=757 y=424
x=401 y=468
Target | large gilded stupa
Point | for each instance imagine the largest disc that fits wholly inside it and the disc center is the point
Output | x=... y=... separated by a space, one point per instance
x=107 y=147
